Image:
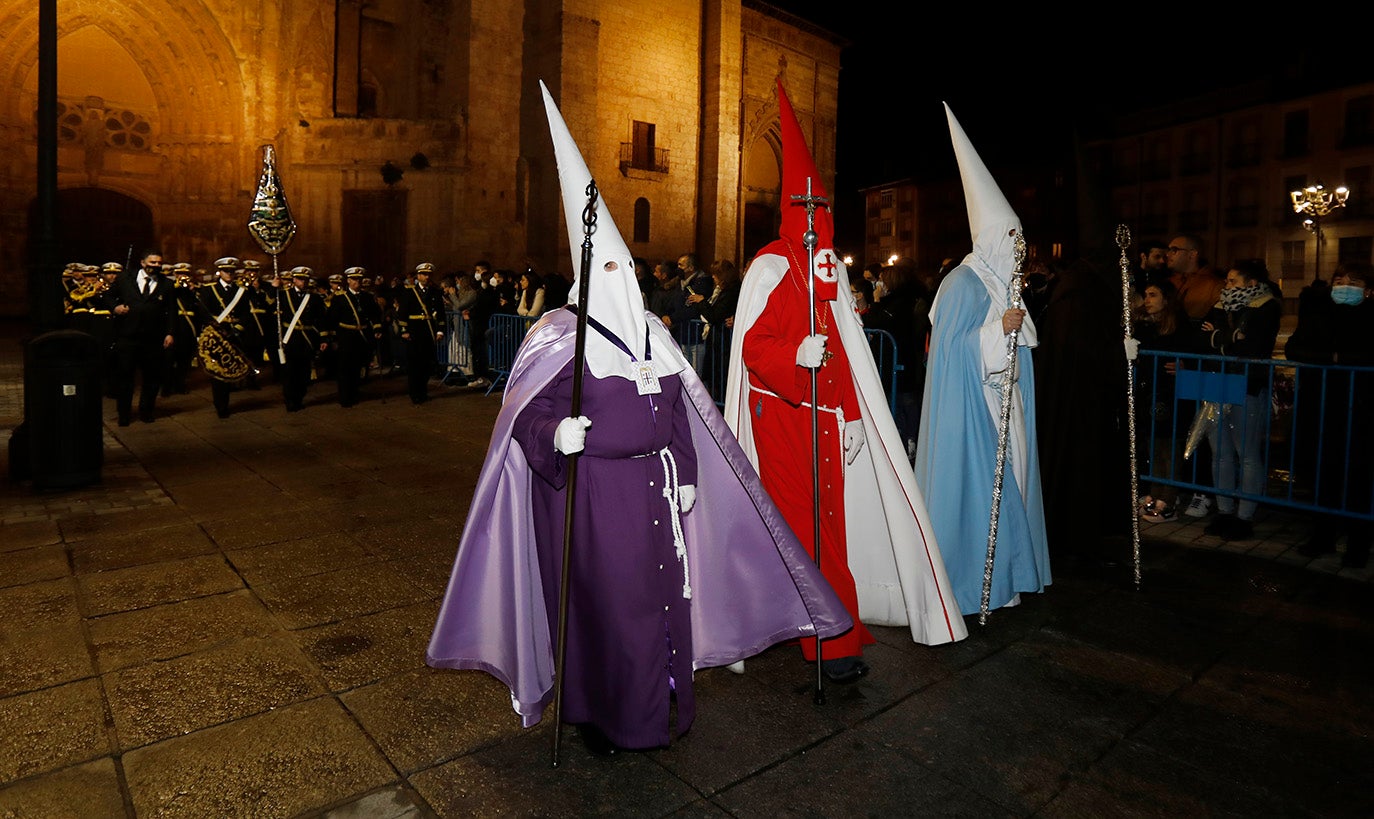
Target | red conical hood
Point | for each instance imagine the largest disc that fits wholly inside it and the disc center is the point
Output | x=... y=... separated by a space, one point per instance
x=797 y=167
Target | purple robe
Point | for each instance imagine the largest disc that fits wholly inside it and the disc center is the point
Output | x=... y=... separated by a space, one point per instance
x=751 y=583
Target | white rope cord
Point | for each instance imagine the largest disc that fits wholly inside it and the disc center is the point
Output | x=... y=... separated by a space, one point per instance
x=670 y=488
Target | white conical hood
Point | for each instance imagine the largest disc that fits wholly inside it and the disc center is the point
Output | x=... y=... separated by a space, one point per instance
x=990 y=217
x=614 y=299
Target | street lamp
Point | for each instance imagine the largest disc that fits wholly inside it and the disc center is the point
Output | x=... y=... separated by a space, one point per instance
x=1315 y=203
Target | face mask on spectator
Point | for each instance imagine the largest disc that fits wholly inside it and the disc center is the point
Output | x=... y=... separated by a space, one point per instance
x=1350 y=294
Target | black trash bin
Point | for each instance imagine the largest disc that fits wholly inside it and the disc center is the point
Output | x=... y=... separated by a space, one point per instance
x=62 y=409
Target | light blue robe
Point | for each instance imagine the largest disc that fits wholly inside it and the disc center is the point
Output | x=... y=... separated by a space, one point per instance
x=956 y=456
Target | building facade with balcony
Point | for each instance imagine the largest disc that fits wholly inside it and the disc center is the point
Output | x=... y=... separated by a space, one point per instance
x=406 y=130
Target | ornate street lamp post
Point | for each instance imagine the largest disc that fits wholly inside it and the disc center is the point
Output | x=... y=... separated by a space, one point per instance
x=1315 y=203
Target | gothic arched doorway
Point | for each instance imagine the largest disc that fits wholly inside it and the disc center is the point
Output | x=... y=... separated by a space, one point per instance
x=95 y=225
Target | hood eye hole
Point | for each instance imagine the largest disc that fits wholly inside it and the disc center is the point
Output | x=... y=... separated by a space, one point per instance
x=610 y=266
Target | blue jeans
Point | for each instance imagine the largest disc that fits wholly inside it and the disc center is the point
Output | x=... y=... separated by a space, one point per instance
x=1237 y=452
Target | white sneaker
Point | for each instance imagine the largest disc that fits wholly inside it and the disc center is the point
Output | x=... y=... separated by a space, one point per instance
x=1199 y=506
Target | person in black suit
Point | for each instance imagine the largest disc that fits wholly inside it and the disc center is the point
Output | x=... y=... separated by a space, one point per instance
x=143 y=307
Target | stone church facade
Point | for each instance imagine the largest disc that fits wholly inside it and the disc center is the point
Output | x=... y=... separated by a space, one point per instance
x=406 y=130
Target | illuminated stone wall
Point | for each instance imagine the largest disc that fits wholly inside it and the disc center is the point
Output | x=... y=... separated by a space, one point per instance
x=164 y=104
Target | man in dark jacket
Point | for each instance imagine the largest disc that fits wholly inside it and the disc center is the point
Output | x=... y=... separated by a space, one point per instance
x=143 y=305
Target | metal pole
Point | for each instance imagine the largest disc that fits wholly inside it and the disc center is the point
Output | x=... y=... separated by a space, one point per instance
x=809 y=240
x=1123 y=240
x=579 y=358
x=1003 y=427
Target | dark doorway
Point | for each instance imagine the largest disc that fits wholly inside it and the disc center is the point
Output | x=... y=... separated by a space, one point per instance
x=760 y=228
x=374 y=231
x=95 y=226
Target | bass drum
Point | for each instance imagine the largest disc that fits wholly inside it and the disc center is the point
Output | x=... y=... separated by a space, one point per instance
x=222 y=359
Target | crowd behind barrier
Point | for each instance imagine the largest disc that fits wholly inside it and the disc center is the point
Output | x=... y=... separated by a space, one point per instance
x=711 y=351
x=1298 y=442
x=1307 y=462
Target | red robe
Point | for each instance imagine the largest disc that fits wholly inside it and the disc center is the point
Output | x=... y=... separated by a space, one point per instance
x=779 y=403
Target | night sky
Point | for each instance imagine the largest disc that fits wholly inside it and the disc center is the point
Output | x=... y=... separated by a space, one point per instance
x=1030 y=82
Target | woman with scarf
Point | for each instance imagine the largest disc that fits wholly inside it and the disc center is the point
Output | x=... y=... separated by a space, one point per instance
x=1243 y=325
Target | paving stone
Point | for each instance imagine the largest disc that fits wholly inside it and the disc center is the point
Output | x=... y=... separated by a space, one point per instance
x=166 y=699
x=515 y=778
x=340 y=595
x=426 y=717
x=151 y=585
x=389 y=803
x=366 y=649
x=177 y=628
x=289 y=559
x=35 y=563
x=46 y=655
x=26 y=534
x=85 y=790
x=119 y=549
x=1014 y=726
x=52 y=728
x=38 y=604
x=125 y=517
x=282 y=763
x=838 y=775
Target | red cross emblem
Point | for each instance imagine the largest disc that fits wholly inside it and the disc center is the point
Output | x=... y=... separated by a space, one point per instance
x=828 y=266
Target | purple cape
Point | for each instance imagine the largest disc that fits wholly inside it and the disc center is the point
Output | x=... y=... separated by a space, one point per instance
x=752 y=583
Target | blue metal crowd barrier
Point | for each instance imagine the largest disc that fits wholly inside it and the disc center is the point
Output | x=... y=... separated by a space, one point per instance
x=1311 y=422
x=505 y=331
x=455 y=357
x=710 y=357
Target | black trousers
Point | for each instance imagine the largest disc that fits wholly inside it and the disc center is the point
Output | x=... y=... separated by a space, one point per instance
x=420 y=362
x=143 y=363
x=300 y=357
x=352 y=356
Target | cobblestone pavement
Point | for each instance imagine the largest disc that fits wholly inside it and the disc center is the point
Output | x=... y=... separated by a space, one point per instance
x=233 y=623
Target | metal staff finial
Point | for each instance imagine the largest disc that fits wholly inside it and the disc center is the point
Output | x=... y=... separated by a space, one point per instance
x=1003 y=425
x=270 y=223
x=579 y=360
x=811 y=201
x=1123 y=240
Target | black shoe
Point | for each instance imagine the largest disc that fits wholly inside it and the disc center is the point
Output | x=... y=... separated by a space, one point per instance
x=1220 y=525
x=597 y=742
x=123 y=421
x=1239 y=530
x=1356 y=555
x=223 y=413
x=145 y=417
x=844 y=670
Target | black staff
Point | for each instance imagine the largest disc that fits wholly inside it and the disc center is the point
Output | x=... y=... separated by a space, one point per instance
x=579 y=361
x=809 y=238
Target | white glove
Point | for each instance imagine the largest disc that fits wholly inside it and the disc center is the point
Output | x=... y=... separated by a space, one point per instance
x=853 y=440
x=686 y=498
x=811 y=351
x=571 y=435
x=1132 y=348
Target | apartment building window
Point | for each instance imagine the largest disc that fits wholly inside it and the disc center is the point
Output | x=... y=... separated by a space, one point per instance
x=1295 y=133
x=1355 y=249
x=1293 y=256
x=885 y=199
x=1359 y=121
x=1244 y=150
x=641 y=232
x=1197 y=154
